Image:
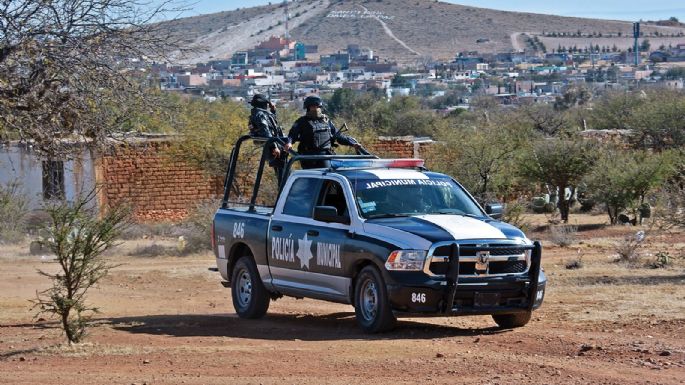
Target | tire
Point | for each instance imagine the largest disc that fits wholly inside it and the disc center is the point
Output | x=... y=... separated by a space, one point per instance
x=371 y=305
x=509 y=321
x=250 y=297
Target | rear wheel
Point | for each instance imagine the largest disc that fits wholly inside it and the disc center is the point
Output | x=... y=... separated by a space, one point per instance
x=250 y=297
x=371 y=305
x=508 y=321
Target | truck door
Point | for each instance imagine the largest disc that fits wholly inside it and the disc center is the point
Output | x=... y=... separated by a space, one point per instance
x=288 y=241
x=309 y=256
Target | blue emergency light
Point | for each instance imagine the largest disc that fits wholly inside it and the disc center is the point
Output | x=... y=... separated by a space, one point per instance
x=377 y=163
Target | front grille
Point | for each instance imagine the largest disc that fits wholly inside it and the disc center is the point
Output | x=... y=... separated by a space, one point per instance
x=502 y=259
x=470 y=250
x=508 y=267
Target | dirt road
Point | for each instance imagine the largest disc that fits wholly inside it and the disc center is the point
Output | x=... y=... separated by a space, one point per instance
x=169 y=321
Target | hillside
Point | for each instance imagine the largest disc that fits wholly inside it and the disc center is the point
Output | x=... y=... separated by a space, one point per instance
x=403 y=30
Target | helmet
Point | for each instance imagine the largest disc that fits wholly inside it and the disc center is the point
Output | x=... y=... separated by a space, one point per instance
x=312 y=101
x=259 y=101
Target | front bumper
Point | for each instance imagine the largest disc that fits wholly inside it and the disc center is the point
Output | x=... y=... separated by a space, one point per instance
x=454 y=295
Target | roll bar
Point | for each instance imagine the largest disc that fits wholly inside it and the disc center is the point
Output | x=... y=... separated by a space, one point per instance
x=296 y=157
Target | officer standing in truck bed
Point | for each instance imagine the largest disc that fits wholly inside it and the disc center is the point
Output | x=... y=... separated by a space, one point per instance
x=316 y=134
x=263 y=124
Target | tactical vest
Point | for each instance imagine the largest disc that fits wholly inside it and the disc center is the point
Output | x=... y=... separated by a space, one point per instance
x=316 y=136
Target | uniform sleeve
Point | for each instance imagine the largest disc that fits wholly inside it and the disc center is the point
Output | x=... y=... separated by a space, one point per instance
x=341 y=138
x=295 y=132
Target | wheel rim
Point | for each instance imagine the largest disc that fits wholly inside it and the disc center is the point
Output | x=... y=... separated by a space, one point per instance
x=369 y=300
x=244 y=288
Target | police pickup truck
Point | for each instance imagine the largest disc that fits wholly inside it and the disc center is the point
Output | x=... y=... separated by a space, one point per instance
x=384 y=235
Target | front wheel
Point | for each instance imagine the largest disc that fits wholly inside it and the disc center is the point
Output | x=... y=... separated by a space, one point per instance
x=508 y=321
x=371 y=305
x=250 y=297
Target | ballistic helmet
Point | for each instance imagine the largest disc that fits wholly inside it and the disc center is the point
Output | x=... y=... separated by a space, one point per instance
x=259 y=101
x=312 y=101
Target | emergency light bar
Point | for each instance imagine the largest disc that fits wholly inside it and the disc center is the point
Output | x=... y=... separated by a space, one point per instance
x=376 y=163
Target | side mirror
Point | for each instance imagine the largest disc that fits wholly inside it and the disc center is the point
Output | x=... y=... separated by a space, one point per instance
x=494 y=210
x=329 y=214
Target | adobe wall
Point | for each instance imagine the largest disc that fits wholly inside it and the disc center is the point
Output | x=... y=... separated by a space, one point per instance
x=158 y=188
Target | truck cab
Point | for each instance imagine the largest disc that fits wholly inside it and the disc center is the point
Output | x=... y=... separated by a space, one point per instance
x=384 y=235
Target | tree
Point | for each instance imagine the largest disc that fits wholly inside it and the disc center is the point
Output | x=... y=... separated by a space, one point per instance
x=621 y=180
x=644 y=46
x=342 y=100
x=574 y=95
x=480 y=154
x=659 y=122
x=66 y=69
x=561 y=164
x=613 y=111
x=78 y=238
x=544 y=119
x=208 y=132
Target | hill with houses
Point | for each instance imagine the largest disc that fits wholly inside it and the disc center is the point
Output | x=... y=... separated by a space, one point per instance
x=406 y=31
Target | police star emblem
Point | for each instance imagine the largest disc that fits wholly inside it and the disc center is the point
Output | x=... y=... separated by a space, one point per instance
x=304 y=251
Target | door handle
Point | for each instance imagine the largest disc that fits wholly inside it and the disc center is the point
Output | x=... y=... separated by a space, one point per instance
x=277 y=228
x=313 y=233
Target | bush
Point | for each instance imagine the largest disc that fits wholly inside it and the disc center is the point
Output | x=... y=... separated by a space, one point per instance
x=661 y=260
x=14 y=209
x=153 y=250
x=78 y=237
x=514 y=215
x=574 y=264
x=628 y=248
x=563 y=235
x=198 y=228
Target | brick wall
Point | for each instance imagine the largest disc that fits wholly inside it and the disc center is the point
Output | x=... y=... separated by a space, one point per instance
x=398 y=147
x=164 y=189
x=158 y=188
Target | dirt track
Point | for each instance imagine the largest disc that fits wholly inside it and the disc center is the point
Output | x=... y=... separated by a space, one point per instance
x=169 y=321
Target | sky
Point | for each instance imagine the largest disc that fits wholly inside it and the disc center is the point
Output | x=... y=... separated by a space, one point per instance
x=631 y=10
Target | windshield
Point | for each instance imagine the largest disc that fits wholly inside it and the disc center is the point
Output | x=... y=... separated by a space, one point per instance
x=403 y=197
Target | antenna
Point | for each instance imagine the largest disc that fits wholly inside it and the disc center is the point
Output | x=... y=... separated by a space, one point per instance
x=287 y=16
x=636 y=47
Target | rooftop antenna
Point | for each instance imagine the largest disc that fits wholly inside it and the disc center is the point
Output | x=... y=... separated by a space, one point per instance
x=636 y=47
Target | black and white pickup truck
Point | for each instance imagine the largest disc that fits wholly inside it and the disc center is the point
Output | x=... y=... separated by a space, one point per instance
x=385 y=235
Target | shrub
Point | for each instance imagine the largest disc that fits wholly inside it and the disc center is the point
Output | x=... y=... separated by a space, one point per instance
x=514 y=215
x=198 y=228
x=153 y=250
x=563 y=235
x=14 y=209
x=78 y=237
x=574 y=264
x=662 y=260
x=627 y=249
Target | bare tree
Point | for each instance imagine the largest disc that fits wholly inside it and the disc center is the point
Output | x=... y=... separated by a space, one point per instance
x=68 y=67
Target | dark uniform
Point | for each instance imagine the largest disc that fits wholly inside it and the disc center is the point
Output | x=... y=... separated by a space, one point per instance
x=316 y=135
x=263 y=124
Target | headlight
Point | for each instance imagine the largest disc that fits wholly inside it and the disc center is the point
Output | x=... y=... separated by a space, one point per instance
x=406 y=260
